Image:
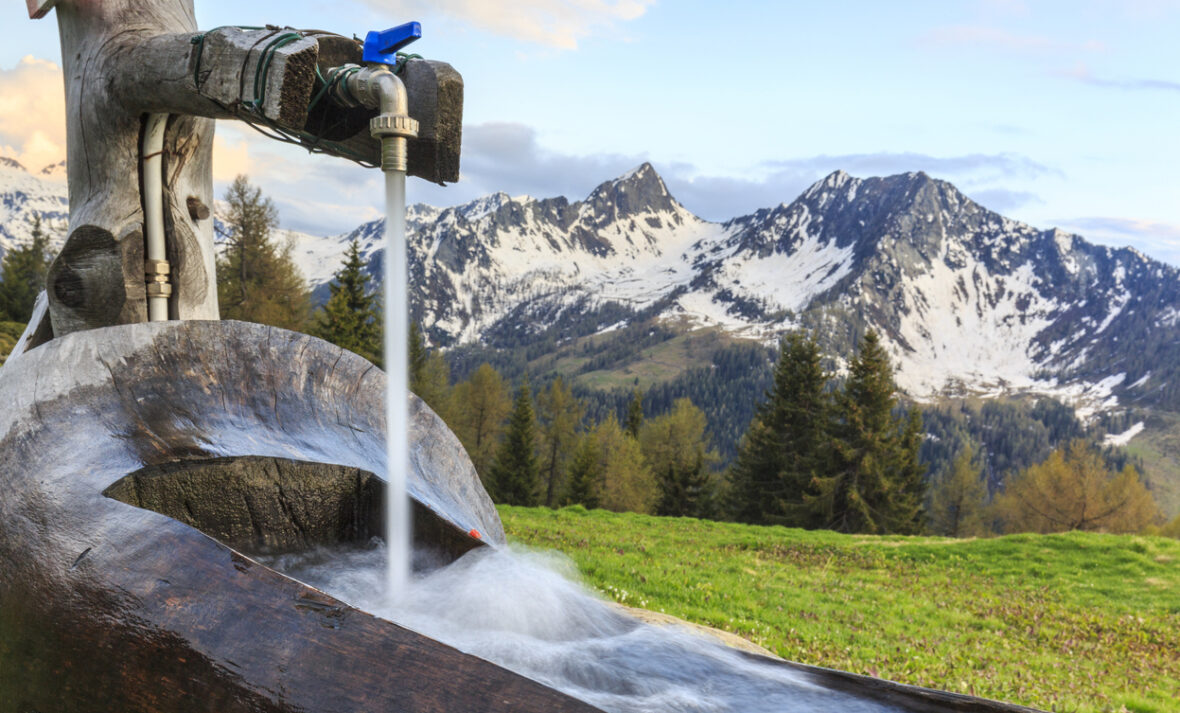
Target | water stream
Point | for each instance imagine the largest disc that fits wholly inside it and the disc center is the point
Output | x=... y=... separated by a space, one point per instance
x=397 y=407
x=523 y=610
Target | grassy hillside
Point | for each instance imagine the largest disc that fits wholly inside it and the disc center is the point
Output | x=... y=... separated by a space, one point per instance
x=1158 y=448
x=1079 y=621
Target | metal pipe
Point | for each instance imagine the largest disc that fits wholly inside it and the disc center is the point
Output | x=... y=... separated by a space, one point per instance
x=377 y=87
x=156 y=266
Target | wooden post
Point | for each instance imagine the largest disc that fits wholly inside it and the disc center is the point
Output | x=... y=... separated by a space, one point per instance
x=126 y=59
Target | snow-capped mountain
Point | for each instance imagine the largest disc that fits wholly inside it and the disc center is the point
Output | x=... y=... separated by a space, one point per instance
x=967 y=301
x=24 y=194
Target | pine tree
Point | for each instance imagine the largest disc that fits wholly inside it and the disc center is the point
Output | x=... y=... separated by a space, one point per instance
x=876 y=484
x=675 y=449
x=350 y=318
x=958 y=500
x=585 y=473
x=787 y=443
x=257 y=281
x=635 y=413
x=480 y=420
x=559 y=415
x=22 y=275
x=430 y=377
x=515 y=477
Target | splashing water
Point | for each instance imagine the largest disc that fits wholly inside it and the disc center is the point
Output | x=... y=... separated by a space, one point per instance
x=397 y=407
x=517 y=610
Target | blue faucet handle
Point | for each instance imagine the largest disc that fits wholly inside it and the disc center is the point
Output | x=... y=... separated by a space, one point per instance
x=382 y=46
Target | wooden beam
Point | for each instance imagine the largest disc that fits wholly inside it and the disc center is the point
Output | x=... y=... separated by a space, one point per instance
x=261 y=76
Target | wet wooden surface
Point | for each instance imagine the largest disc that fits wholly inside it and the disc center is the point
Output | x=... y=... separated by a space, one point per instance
x=105 y=606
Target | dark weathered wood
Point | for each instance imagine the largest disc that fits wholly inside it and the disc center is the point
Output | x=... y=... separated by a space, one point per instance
x=107 y=606
x=913 y=699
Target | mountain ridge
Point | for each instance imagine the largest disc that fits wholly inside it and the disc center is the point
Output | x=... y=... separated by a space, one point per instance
x=967 y=300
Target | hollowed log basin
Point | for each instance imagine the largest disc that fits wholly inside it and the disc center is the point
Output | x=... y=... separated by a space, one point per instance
x=141 y=468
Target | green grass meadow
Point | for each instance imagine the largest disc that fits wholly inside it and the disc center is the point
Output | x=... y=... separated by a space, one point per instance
x=1071 y=622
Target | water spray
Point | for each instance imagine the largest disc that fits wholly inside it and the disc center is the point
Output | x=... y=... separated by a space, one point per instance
x=376 y=86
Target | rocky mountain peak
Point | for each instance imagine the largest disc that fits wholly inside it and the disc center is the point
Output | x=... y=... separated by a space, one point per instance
x=11 y=163
x=640 y=190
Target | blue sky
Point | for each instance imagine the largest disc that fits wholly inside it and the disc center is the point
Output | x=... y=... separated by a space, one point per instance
x=1055 y=113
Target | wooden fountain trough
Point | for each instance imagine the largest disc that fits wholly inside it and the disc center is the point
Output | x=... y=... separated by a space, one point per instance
x=249 y=439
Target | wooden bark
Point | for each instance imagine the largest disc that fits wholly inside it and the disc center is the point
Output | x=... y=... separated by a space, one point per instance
x=108 y=606
x=125 y=59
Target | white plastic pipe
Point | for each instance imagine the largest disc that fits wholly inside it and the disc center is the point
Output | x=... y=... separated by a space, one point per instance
x=153 y=203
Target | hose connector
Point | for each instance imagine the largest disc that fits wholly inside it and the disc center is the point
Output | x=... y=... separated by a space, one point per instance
x=156 y=274
x=377 y=87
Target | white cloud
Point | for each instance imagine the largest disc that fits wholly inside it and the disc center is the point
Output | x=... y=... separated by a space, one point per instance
x=32 y=113
x=552 y=23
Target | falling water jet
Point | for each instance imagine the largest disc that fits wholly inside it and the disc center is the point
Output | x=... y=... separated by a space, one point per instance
x=377 y=86
x=398 y=526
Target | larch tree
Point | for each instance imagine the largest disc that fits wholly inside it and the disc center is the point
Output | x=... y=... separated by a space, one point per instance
x=257 y=281
x=430 y=376
x=515 y=475
x=788 y=442
x=627 y=483
x=876 y=484
x=560 y=417
x=351 y=318
x=482 y=404
x=959 y=499
x=1074 y=490
x=675 y=449
x=22 y=275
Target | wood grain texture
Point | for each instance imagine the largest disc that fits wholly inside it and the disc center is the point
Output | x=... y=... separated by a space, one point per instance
x=108 y=606
x=98 y=278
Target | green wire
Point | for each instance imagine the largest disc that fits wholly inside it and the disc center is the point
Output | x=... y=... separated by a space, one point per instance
x=313 y=143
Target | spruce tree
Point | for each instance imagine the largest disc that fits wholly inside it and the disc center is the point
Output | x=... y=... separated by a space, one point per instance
x=22 y=275
x=257 y=281
x=635 y=413
x=684 y=489
x=876 y=483
x=515 y=477
x=787 y=443
x=350 y=318
x=585 y=473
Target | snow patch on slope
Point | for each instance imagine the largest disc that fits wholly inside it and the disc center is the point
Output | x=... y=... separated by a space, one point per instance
x=1122 y=439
